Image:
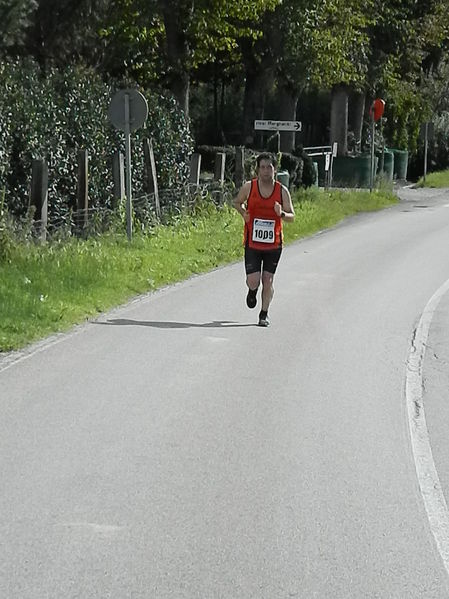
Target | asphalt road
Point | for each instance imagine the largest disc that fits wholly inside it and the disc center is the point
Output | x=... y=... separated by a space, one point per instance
x=173 y=449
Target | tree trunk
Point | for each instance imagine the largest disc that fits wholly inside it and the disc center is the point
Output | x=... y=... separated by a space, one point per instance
x=288 y=100
x=253 y=105
x=356 y=112
x=339 y=118
x=259 y=77
x=177 y=49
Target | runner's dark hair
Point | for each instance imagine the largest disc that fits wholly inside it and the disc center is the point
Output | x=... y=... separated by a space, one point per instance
x=267 y=156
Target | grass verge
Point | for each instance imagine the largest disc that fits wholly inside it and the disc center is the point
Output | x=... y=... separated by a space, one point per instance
x=437 y=180
x=48 y=288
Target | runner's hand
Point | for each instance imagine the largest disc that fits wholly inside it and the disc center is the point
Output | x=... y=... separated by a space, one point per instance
x=277 y=208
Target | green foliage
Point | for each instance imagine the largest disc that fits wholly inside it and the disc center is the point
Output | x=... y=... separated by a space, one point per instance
x=217 y=25
x=308 y=173
x=435 y=180
x=404 y=115
x=133 y=35
x=54 y=116
x=407 y=39
x=322 y=43
x=14 y=19
x=294 y=165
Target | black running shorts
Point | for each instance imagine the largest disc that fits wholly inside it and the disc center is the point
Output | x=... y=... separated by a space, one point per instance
x=257 y=260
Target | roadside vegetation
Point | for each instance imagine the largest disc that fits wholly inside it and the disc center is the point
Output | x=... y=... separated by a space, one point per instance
x=439 y=179
x=47 y=288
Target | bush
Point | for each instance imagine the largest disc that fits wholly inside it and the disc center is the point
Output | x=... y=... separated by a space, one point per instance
x=54 y=116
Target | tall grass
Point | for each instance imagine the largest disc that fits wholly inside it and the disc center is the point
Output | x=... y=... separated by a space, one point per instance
x=48 y=288
x=439 y=179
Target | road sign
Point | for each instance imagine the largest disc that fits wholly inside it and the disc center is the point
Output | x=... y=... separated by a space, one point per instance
x=138 y=109
x=128 y=111
x=278 y=125
x=427 y=131
x=377 y=109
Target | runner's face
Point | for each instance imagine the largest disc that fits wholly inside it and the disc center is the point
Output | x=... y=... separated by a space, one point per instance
x=266 y=171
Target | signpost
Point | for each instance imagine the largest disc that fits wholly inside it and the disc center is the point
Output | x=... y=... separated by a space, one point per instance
x=426 y=133
x=376 y=112
x=128 y=111
x=278 y=126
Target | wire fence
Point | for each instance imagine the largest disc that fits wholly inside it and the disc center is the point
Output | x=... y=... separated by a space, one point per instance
x=97 y=220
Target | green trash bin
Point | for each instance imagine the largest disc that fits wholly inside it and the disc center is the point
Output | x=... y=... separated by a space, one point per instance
x=400 y=163
x=284 y=178
x=352 y=171
x=388 y=164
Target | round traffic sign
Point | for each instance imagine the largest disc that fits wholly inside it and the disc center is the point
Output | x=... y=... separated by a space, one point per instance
x=138 y=109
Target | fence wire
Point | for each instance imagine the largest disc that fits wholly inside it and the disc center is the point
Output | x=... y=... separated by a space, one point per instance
x=96 y=220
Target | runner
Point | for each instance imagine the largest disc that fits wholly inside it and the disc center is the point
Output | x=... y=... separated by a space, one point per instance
x=263 y=203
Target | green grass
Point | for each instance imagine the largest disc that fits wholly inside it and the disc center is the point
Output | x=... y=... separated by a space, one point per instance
x=439 y=179
x=48 y=288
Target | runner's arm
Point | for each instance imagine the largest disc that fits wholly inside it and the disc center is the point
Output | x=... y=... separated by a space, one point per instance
x=286 y=210
x=240 y=201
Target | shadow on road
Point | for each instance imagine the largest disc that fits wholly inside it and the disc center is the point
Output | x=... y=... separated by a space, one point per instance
x=216 y=324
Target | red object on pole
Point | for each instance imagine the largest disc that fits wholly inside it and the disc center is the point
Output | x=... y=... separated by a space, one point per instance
x=377 y=109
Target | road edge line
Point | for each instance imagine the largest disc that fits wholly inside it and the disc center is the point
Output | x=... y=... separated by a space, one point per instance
x=428 y=479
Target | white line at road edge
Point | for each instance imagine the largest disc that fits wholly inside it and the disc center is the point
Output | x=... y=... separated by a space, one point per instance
x=429 y=482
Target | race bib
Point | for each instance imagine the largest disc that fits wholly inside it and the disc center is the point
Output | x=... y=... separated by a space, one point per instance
x=263 y=230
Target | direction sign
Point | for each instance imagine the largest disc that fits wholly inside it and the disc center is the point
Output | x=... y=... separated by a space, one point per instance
x=278 y=125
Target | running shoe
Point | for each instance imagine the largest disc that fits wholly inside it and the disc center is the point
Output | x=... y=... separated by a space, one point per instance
x=264 y=321
x=251 y=298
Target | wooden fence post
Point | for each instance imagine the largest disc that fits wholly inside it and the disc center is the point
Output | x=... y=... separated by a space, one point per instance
x=118 y=173
x=82 y=190
x=220 y=163
x=239 y=174
x=151 y=174
x=195 y=169
x=39 y=194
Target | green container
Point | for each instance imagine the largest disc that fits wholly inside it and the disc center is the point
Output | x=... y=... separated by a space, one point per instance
x=388 y=166
x=352 y=171
x=400 y=163
x=284 y=178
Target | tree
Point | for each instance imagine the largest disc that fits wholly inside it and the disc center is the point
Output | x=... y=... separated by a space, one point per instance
x=407 y=41
x=66 y=32
x=196 y=31
x=14 y=19
x=305 y=46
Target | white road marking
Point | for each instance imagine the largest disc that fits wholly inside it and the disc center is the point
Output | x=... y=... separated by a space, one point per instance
x=429 y=482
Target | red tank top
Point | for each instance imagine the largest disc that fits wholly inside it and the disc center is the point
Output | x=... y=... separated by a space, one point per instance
x=264 y=229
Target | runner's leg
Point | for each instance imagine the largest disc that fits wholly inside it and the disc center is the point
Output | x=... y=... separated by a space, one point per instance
x=267 y=289
x=253 y=262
